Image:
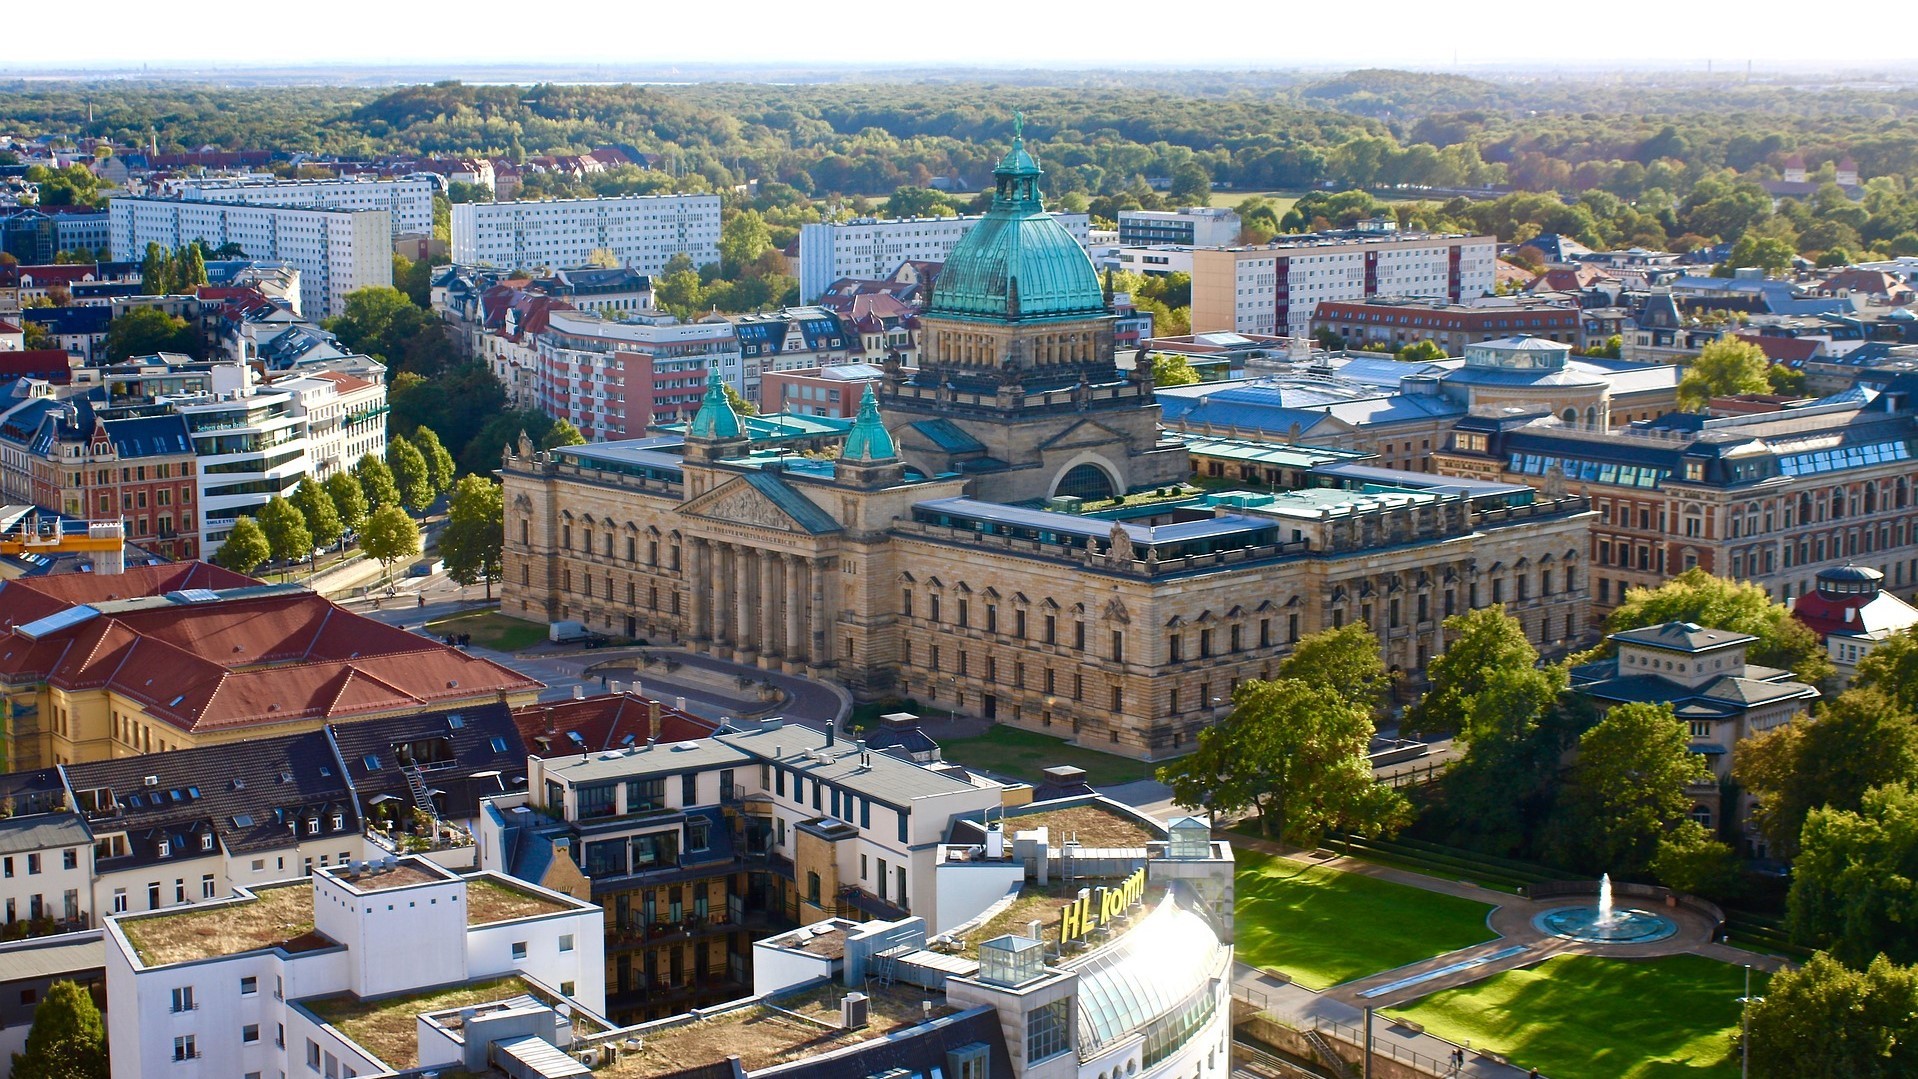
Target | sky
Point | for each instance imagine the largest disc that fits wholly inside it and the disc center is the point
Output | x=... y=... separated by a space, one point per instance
x=1056 y=33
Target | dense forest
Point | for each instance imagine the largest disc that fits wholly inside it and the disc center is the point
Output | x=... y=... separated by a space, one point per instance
x=1659 y=162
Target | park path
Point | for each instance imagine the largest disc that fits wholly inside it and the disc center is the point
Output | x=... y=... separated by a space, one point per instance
x=1342 y=1007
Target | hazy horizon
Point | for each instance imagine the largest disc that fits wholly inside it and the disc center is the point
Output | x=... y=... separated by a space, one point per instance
x=598 y=33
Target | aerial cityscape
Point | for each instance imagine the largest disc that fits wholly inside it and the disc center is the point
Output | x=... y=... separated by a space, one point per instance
x=764 y=564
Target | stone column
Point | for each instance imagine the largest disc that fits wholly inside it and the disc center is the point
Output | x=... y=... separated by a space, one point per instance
x=723 y=599
x=768 y=611
x=794 y=597
x=820 y=619
x=742 y=613
x=697 y=582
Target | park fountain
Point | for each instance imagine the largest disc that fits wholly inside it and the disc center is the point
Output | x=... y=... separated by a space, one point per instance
x=1604 y=923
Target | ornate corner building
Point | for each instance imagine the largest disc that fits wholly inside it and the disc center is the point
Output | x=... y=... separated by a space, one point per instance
x=1004 y=530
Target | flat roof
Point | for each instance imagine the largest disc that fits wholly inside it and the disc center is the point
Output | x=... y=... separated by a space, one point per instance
x=275 y=916
x=775 y=1030
x=45 y=957
x=1095 y=527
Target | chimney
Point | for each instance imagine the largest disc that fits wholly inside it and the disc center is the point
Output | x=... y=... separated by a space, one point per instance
x=548 y=713
x=832 y=732
x=652 y=719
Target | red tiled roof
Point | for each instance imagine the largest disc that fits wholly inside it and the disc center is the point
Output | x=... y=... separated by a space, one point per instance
x=52 y=364
x=346 y=383
x=603 y=722
x=238 y=660
x=8 y=327
x=1784 y=349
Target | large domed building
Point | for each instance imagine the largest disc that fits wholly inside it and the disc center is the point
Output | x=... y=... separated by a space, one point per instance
x=960 y=542
x=1017 y=385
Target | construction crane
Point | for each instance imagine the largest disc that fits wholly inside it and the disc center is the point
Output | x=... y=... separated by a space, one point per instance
x=25 y=531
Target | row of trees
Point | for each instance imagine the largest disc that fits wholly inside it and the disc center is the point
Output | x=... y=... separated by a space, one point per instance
x=371 y=500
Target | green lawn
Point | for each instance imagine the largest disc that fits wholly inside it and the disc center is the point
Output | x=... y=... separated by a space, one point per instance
x=1022 y=754
x=1324 y=927
x=1586 y=1015
x=491 y=630
x=1281 y=201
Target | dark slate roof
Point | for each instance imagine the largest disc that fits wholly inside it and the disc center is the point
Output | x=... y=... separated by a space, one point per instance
x=1682 y=637
x=948 y=436
x=43 y=831
x=793 y=504
x=481 y=738
x=70 y=320
x=246 y=794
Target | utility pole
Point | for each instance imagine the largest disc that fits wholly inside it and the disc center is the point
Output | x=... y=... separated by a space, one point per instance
x=1368 y=1043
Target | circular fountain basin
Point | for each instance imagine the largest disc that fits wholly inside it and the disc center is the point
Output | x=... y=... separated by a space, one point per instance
x=1627 y=925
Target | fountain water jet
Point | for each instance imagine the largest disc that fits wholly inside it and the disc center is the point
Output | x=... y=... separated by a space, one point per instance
x=1604 y=923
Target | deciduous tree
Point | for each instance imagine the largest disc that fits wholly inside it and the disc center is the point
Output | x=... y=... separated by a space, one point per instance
x=144 y=331
x=410 y=474
x=1851 y=888
x=1296 y=753
x=245 y=547
x=1171 y=369
x=1826 y=1020
x=317 y=509
x=287 y=536
x=376 y=483
x=1627 y=789
x=349 y=500
x=441 y=472
x=1859 y=740
x=1345 y=660
x=1726 y=366
x=390 y=536
x=561 y=433
x=475 y=535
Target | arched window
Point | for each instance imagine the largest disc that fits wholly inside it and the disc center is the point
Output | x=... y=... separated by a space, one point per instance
x=1086 y=481
x=1571 y=415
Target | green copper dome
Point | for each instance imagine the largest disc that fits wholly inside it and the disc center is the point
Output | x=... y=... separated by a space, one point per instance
x=867 y=440
x=1018 y=263
x=715 y=418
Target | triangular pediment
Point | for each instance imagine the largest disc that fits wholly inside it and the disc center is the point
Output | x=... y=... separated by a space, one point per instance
x=1083 y=433
x=760 y=502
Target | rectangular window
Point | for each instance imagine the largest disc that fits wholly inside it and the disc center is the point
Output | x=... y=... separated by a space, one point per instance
x=644 y=795
x=519 y=949
x=250 y=1033
x=1047 y=1032
x=249 y=985
x=184 y=1048
x=183 y=998
x=565 y=942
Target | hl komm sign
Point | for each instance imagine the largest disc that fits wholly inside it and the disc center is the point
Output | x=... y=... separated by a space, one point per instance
x=1098 y=906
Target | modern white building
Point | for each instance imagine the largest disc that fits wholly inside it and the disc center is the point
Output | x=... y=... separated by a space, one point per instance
x=345 y=416
x=1200 y=226
x=408 y=203
x=330 y=975
x=336 y=251
x=643 y=232
x=1274 y=288
x=871 y=247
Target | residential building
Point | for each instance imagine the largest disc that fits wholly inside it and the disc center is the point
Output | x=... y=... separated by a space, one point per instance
x=172 y=656
x=1702 y=673
x=345 y=417
x=12 y=338
x=643 y=232
x=46 y=872
x=78 y=330
x=1770 y=497
x=795 y=338
x=915 y=563
x=1852 y=614
x=1156 y=260
x=614 y=380
x=874 y=247
x=96 y=464
x=22 y=285
x=408 y=202
x=336 y=251
x=1275 y=288
x=281 y=978
x=32 y=966
x=609 y=293
x=1388 y=324
x=1194 y=226
x=693 y=847
x=819 y=391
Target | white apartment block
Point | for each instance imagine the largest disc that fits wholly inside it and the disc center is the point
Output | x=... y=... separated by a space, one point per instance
x=408 y=203
x=1274 y=288
x=872 y=248
x=1198 y=226
x=643 y=232
x=345 y=417
x=335 y=251
x=252 y=987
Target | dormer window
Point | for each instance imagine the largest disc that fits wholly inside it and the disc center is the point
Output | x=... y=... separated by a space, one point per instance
x=166 y=849
x=206 y=841
x=312 y=826
x=339 y=821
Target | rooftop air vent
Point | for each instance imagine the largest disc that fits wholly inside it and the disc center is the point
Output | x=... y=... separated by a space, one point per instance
x=151 y=781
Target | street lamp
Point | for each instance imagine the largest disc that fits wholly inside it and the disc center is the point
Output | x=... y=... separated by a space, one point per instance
x=1745 y=1026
